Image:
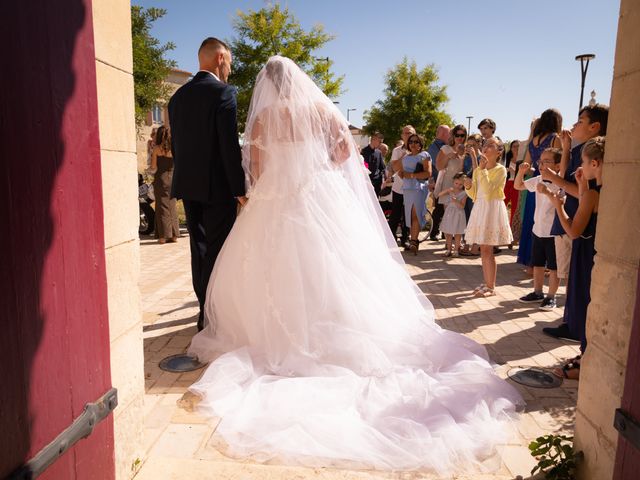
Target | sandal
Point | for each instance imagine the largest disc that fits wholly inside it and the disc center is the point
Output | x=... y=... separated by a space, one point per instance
x=570 y=370
x=485 y=292
x=448 y=253
x=482 y=286
x=413 y=246
x=469 y=253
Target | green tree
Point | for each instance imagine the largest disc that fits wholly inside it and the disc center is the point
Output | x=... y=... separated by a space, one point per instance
x=412 y=97
x=150 y=67
x=273 y=30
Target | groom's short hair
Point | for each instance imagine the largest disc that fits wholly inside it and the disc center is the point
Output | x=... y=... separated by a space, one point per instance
x=212 y=44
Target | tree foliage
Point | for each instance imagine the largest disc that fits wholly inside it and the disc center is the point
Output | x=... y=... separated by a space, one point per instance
x=273 y=30
x=412 y=97
x=150 y=67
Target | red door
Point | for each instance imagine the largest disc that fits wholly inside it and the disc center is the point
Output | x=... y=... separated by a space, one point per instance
x=628 y=455
x=54 y=339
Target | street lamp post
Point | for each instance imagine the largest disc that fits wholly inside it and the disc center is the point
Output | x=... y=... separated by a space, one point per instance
x=469 y=117
x=350 y=110
x=584 y=65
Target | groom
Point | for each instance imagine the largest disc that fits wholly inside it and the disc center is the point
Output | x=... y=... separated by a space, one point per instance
x=208 y=174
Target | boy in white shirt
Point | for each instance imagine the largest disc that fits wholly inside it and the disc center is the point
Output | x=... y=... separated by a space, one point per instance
x=543 y=250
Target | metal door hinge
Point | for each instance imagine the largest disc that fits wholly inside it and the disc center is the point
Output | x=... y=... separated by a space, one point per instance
x=628 y=427
x=81 y=427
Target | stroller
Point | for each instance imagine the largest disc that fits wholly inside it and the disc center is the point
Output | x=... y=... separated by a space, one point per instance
x=147 y=213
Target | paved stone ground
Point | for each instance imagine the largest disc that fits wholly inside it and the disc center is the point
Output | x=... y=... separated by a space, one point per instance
x=177 y=441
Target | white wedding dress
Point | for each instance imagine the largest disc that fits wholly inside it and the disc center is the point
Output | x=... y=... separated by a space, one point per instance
x=323 y=350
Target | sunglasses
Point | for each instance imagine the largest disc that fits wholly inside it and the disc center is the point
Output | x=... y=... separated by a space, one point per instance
x=414 y=142
x=460 y=135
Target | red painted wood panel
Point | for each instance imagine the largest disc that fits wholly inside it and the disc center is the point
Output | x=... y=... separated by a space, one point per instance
x=54 y=338
x=628 y=457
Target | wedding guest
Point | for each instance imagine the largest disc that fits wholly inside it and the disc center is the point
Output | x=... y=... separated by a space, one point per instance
x=511 y=194
x=416 y=170
x=543 y=249
x=592 y=122
x=397 y=210
x=384 y=150
x=489 y=222
x=516 y=219
x=167 y=228
x=449 y=162
x=582 y=229
x=487 y=129
x=374 y=161
x=545 y=134
x=454 y=222
x=442 y=137
x=472 y=150
x=151 y=142
x=385 y=196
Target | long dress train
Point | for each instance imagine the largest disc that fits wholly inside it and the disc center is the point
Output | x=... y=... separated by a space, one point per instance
x=323 y=350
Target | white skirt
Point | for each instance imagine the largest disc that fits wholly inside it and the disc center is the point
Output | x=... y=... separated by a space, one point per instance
x=488 y=223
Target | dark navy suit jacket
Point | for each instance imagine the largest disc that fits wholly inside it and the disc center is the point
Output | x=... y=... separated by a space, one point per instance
x=204 y=136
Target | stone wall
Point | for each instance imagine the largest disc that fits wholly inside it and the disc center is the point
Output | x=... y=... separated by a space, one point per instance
x=613 y=289
x=114 y=66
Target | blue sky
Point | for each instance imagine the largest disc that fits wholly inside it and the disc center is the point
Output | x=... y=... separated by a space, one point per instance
x=504 y=59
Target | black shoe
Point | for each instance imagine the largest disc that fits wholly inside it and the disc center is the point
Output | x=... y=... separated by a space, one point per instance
x=496 y=250
x=549 y=303
x=561 y=332
x=434 y=238
x=531 y=297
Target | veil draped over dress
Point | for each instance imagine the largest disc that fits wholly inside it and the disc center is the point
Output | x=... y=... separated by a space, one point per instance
x=323 y=350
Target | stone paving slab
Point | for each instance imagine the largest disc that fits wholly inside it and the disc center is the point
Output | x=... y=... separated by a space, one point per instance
x=178 y=441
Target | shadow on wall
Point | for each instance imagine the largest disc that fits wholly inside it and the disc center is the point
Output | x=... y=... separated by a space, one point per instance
x=53 y=282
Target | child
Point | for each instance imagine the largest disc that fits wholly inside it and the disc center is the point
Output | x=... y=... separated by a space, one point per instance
x=489 y=222
x=582 y=229
x=592 y=122
x=543 y=249
x=454 y=221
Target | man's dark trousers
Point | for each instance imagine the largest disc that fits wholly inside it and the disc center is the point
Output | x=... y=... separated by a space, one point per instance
x=208 y=225
x=437 y=214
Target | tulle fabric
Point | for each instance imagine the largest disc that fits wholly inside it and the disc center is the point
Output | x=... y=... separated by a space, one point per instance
x=323 y=350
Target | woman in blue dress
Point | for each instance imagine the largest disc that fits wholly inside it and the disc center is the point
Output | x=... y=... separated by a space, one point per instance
x=545 y=134
x=416 y=170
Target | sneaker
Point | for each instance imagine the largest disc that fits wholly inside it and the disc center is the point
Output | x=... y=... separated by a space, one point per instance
x=531 y=297
x=549 y=303
x=561 y=332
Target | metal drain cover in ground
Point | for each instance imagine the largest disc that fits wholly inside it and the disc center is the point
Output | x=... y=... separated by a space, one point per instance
x=534 y=377
x=180 y=363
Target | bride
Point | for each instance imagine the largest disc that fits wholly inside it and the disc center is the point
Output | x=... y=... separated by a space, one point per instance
x=323 y=350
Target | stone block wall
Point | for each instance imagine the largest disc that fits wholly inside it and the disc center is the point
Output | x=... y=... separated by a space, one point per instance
x=614 y=278
x=114 y=76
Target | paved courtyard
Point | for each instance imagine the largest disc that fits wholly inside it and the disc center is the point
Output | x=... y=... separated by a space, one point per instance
x=178 y=442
